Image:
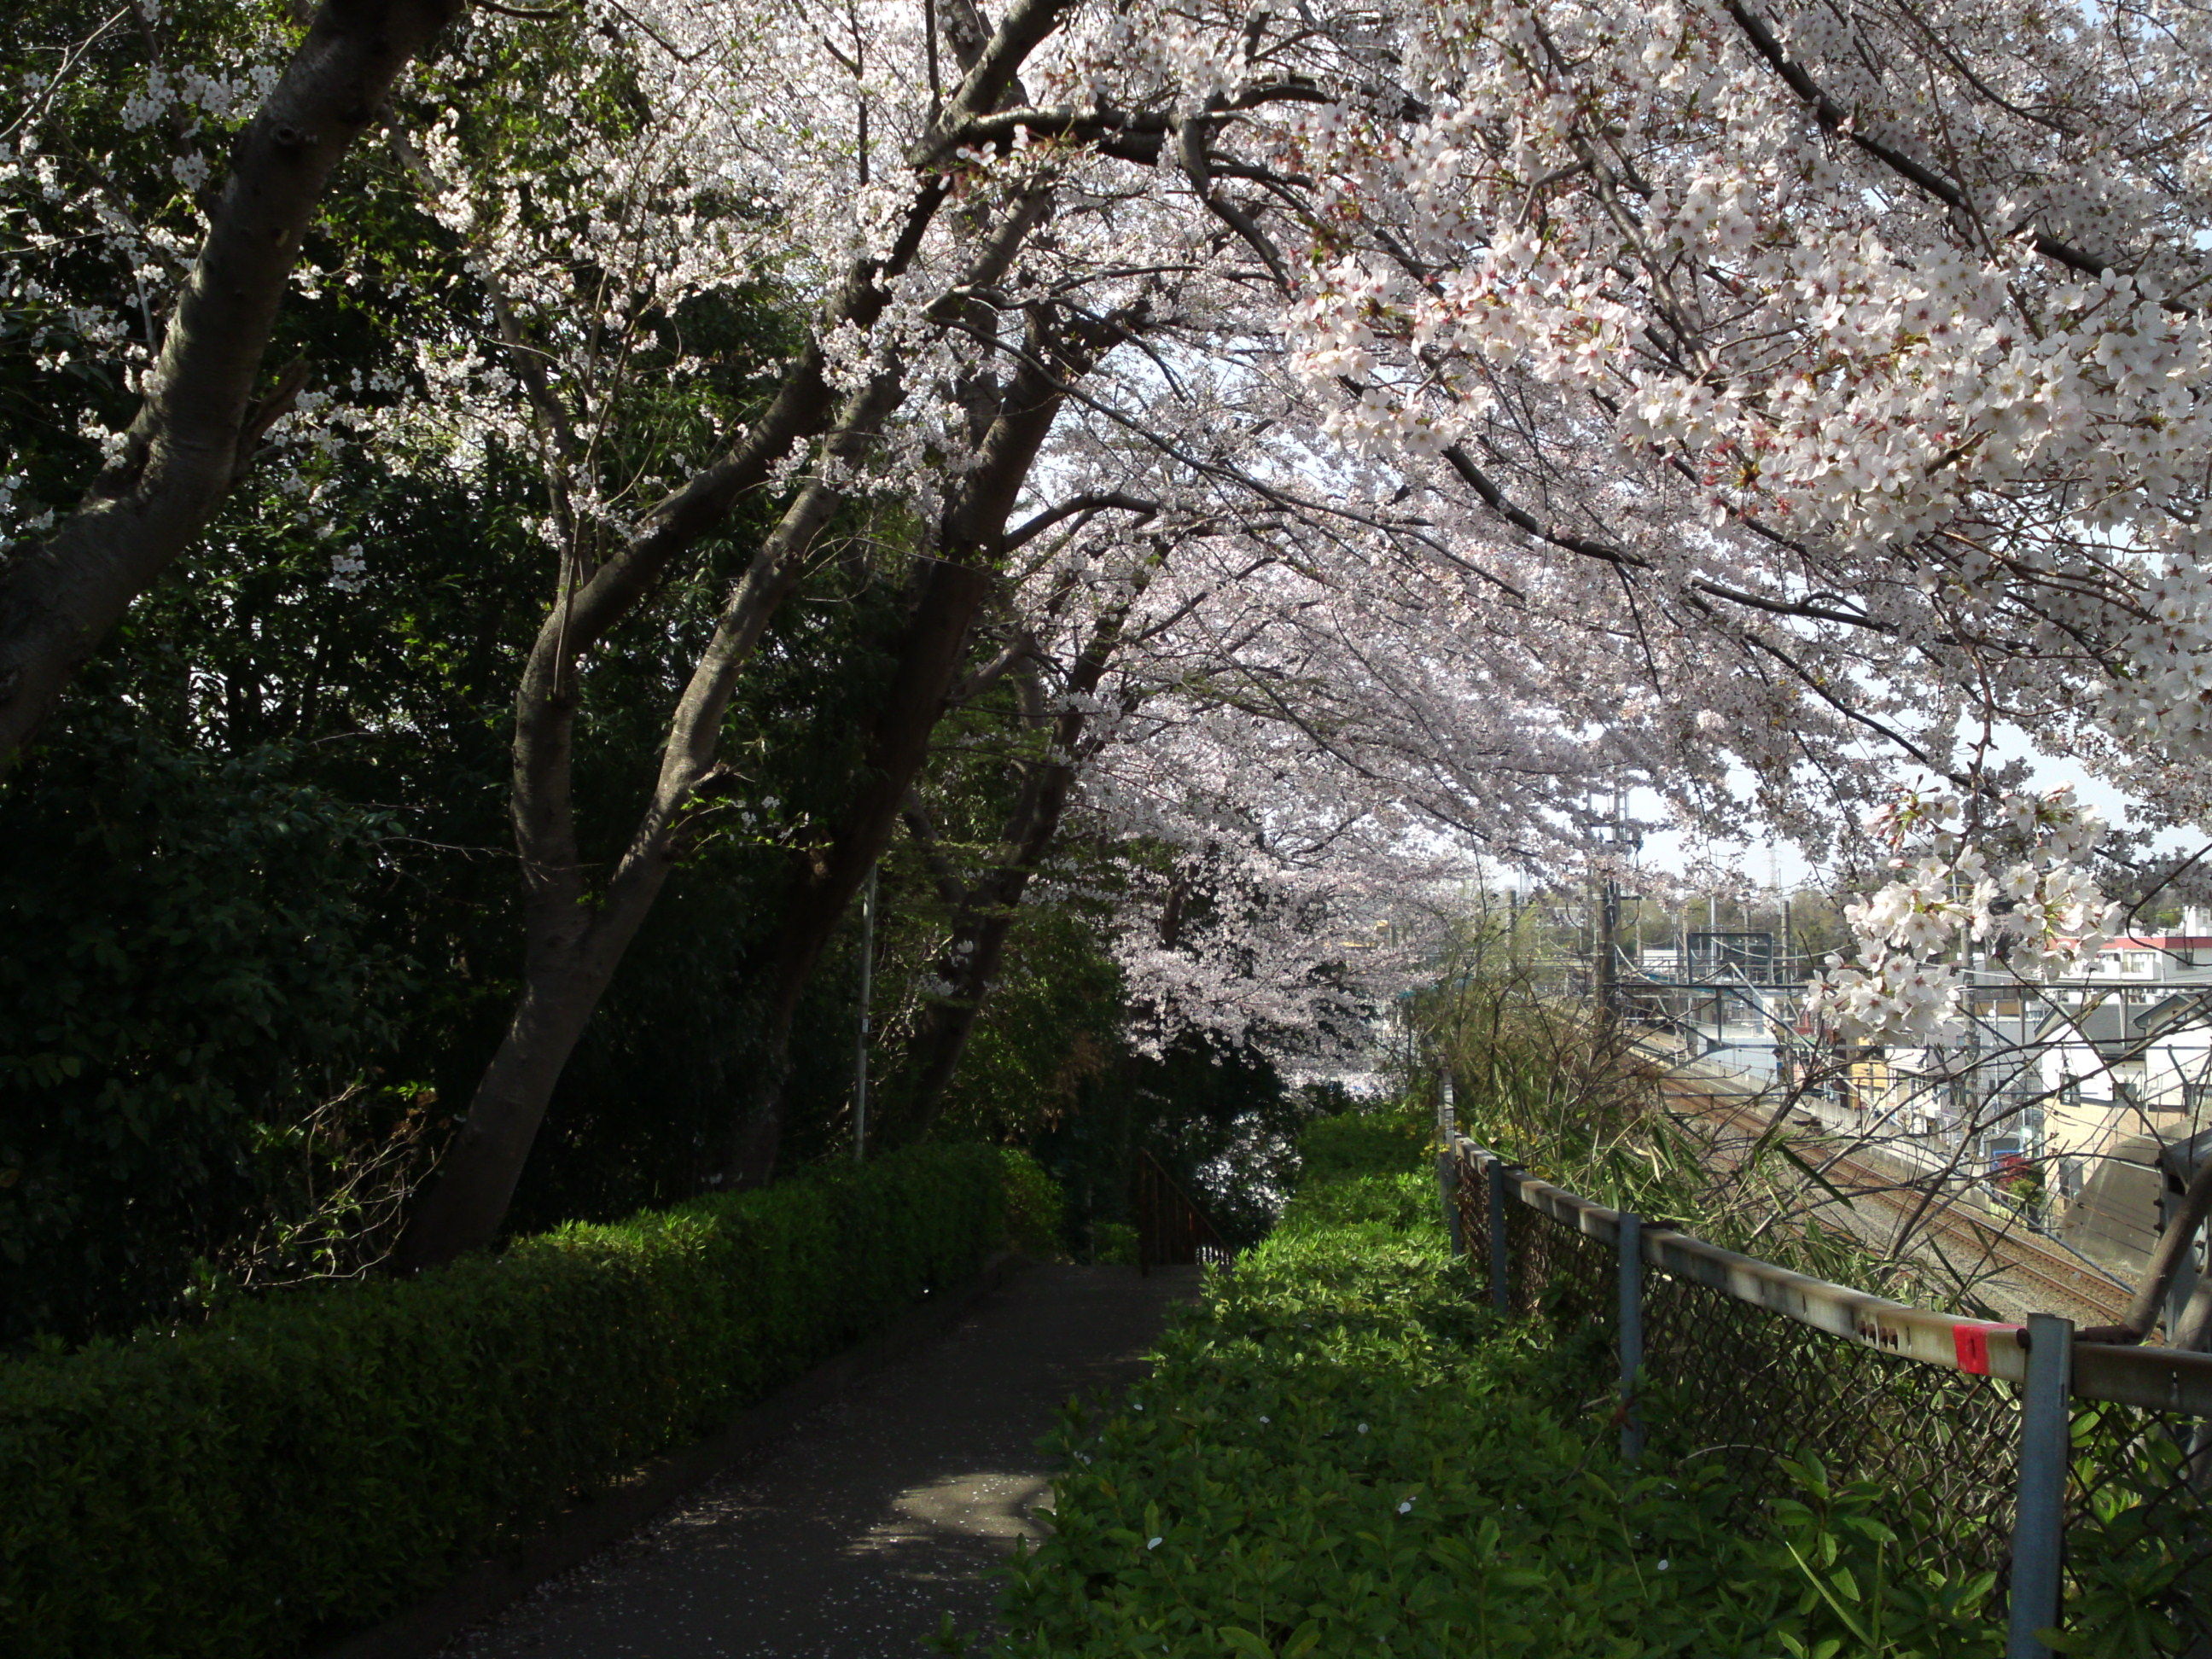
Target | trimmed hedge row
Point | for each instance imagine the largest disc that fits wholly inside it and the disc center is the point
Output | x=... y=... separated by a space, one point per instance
x=307 y=1464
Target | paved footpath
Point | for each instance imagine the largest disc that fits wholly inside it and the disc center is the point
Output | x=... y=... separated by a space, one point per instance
x=882 y=1512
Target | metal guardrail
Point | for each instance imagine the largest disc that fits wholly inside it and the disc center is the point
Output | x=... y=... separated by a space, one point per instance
x=1934 y=1402
x=2156 y=1379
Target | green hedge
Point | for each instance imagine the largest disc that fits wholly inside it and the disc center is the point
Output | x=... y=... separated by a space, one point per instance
x=1383 y=1143
x=305 y=1464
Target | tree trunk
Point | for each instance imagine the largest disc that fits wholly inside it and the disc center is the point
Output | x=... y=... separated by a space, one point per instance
x=569 y=960
x=978 y=951
x=975 y=527
x=985 y=918
x=199 y=426
x=572 y=946
x=929 y=664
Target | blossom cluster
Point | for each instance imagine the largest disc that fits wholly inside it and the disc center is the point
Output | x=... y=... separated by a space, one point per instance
x=2037 y=913
x=1480 y=402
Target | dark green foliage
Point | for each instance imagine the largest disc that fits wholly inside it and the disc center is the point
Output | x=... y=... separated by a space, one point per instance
x=1226 y=1126
x=247 y=697
x=308 y=1460
x=247 y=686
x=1218 y=1118
x=1050 y=1028
x=186 y=960
x=1037 y=1211
x=1358 y=1144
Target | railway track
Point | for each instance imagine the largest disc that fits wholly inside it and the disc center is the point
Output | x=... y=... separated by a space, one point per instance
x=1995 y=1247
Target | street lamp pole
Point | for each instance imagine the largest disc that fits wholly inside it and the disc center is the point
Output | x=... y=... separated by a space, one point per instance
x=860 y=1047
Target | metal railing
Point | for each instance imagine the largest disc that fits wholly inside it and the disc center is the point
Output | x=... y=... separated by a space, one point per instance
x=1172 y=1232
x=2002 y=1441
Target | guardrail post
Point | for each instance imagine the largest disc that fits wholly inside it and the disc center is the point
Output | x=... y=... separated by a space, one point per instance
x=2039 y=1526
x=1500 y=1261
x=1632 y=1336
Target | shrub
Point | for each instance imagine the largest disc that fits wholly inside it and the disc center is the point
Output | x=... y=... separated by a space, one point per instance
x=1344 y=1452
x=1375 y=1143
x=1036 y=1210
x=307 y=1462
x=185 y=961
x=1331 y=1460
x=1114 y=1243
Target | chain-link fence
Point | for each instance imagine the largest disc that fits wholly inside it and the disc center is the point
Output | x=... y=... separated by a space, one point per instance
x=2138 y=1516
x=2082 y=1476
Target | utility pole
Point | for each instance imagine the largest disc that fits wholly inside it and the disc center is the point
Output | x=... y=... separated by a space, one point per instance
x=860 y=1047
x=1605 y=982
x=1774 y=886
x=1606 y=979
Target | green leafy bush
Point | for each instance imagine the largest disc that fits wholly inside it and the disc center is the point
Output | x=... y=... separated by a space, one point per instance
x=1378 y=1143
x=1114 y=1243
x=187 y=967
x=1036 y=1210
x=307 y=1463
x=1344 y=1456
x=1346 y=1453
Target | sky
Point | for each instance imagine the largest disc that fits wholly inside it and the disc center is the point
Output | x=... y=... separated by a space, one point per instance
x=1762 y=862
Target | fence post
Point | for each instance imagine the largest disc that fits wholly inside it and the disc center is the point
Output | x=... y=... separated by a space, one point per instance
x=1632 y=1334
x=2039 y=1526
x=1448 y=1163
x=1499 y=1261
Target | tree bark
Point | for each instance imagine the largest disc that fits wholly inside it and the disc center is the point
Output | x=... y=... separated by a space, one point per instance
x=929 y=662
x=196 y=429
x=573 y=946
x=985 y=920
x=974 y=527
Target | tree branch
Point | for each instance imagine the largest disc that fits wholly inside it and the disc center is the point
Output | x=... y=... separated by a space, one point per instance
x=59 y=600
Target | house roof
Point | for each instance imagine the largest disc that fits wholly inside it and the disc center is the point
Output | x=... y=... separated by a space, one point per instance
x=2109 y=1026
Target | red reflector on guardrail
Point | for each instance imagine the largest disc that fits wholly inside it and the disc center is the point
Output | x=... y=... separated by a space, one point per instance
x=1972 y=1343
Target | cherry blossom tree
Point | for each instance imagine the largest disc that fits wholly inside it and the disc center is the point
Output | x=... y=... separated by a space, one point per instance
x=1362 y=433
x=217 y=263
x=1867 y=349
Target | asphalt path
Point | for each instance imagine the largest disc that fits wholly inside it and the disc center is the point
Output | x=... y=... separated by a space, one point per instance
x=877 y=1517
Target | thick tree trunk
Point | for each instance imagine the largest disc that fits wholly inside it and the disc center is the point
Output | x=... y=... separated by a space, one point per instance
x=574 y=945
x=976 y=954
x=569 y=960
x=974 y=527
x=199 y=426
x=573 y=942
x=928 y=668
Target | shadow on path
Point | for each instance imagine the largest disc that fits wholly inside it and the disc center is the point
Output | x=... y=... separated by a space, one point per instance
x=879 y=1514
